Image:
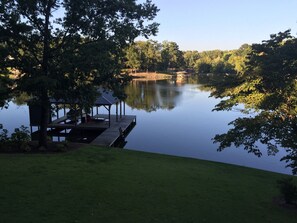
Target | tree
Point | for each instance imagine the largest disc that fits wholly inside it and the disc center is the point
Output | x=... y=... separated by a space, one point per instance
x=239 y=57
x=5 y=88
x=190 y=58
x=218 y=68
x=171 y=56
x=5 y=83
x=65 y=48
x=268 y=88
x=152 y=56
x=202 y=67
x=214 y=61
x=149 y=51
x=133 y=57
x=143 y=55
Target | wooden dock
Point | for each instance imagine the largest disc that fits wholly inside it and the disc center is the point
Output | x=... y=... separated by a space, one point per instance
x=98 y=122
x=115 y=131
x=112 y=127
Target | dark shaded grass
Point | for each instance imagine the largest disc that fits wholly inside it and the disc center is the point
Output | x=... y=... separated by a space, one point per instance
x=101 y=185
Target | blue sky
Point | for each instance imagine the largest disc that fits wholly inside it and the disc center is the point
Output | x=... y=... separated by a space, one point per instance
x=223 y=24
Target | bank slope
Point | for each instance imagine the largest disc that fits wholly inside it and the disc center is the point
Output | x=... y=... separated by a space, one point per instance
x=95 y=184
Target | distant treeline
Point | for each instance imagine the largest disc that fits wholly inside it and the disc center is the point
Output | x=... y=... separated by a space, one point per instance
x=163 y=57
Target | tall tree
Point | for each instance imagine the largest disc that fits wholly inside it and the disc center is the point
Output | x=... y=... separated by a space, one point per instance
x=171 y=56
x=267 y=88
x=5 y=86
x=133 y=57
x=190 y=58
x=149 y=51
x=239 y=57
x=65 y=48
x=5 y=82
x=143 y=55
x=202 y=67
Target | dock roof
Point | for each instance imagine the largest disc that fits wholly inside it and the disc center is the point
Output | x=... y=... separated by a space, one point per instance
x=105 y=97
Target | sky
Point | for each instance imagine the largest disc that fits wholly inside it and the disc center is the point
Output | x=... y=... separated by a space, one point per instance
x=223 y=24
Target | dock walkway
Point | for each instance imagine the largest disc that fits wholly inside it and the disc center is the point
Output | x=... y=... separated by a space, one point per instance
x=111 y=134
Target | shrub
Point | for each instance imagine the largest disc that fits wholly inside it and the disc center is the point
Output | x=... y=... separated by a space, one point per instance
x=17 y=142
x=20 y=135
x=288 y=190
x=3 y=134
x=62 y=146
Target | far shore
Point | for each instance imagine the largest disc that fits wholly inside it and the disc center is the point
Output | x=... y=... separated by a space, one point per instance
x=150 y=76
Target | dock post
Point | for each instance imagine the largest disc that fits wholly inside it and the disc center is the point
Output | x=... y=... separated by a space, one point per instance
x=109 y=116
x=120 y=109
x=124 y=108
x=57 y=110
x=117 y=113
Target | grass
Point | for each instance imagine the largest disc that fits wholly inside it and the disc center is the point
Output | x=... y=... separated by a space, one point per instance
x=111 y=185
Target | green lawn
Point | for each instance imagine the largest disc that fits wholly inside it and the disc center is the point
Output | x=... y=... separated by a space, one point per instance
x=101 y=185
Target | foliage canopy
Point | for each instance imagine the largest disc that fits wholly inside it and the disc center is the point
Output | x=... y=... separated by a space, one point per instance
x=65 y=48
x=267 y=89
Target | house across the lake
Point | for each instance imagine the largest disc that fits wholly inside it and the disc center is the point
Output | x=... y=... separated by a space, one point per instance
x=105 y=124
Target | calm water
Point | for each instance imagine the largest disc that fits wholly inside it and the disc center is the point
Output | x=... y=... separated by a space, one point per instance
x=176 y=119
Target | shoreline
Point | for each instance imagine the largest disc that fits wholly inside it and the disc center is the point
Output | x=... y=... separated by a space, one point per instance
x=150 y=76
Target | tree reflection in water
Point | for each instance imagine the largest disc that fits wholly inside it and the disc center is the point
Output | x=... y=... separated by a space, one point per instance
x=151 y=95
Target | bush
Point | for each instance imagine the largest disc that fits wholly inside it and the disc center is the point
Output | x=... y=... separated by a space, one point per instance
x=62 y=146
x=17 y=142
x=3 y=134
x=288 y=190
x=21 y=135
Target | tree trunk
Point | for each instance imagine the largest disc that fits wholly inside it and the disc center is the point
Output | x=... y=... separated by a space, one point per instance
x=45 y=113
x=44 y=100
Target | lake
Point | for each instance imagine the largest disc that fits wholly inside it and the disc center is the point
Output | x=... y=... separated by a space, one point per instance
x=177 y=119
x=174 y=118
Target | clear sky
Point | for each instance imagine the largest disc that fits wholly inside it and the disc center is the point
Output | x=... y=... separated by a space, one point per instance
x=223 y=24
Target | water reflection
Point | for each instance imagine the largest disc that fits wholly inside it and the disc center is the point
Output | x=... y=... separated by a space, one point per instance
x=187 y=128
x=175 y=117
x=152 y=95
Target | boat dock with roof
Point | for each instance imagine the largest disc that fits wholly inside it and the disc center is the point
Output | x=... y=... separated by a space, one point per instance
x=98 y=129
